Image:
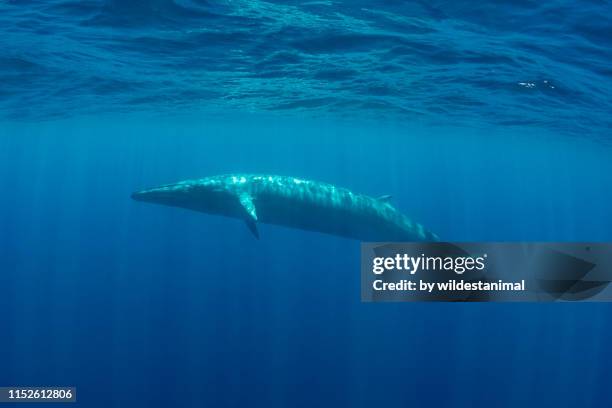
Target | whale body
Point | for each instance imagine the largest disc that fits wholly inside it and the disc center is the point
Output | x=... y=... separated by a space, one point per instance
x=291 y=202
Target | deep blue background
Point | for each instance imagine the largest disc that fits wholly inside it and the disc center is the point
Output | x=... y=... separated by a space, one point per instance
x=484 y=121
x=141 y=305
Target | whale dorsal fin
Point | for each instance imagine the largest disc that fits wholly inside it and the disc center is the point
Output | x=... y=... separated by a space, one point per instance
x=250 y=212
x=385 y=198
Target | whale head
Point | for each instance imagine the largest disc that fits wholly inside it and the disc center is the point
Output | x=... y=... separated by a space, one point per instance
x=205 y=195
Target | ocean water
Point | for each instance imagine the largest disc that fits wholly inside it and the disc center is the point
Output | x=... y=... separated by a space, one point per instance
x=486 y=122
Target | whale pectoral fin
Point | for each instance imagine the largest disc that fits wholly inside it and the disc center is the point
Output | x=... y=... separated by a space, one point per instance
x=247 y=203
x=252 y=227
x=250 y=213
x=385 y=198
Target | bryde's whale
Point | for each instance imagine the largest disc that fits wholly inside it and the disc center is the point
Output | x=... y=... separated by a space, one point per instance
x=291 y=202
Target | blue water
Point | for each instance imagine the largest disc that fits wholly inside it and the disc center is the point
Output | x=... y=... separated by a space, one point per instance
x=485 y=122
